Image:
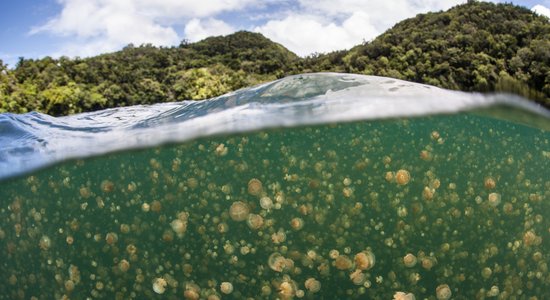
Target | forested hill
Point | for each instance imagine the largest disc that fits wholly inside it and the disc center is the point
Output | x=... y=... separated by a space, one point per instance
x=473 y=47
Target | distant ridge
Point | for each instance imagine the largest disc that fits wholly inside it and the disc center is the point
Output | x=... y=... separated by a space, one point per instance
x=476 y=46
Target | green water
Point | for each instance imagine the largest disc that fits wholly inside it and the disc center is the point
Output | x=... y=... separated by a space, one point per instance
x=476 y=209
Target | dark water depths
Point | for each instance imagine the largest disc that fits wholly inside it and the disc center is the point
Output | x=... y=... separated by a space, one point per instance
x=344 y=203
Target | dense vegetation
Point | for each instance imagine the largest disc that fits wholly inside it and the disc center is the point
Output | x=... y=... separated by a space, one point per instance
x=471 y=47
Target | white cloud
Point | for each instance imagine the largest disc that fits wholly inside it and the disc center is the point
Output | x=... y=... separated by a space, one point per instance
x=196 y=29
x=328 y=25
x=307 y=34
x=541 y=10
x=97 y=26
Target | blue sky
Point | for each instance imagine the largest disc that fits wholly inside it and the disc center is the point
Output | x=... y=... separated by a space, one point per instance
x=38 y=28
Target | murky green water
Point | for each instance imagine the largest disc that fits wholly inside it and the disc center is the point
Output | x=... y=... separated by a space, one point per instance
x=474 y=214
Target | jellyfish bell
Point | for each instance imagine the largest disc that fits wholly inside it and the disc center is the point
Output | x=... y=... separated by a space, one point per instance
x=443 y=292
x=239 y=211
x=403 y=296
x=409 y=260
x=226 y=287
x=402 y=177
x=364 y=260
x=255 y=221
x=312 y=285
x=159 y=285
x=276 y=262
x=255 y=187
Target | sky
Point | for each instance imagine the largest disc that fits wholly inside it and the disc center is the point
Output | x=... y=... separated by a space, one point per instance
x=38 y=28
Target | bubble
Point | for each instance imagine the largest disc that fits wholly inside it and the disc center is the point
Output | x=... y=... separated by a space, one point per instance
x=226 y=287
x=409 y=260
x=443 y=292
x=402 y=177
x=255 y=187
x=159 y=285
x=239 y=211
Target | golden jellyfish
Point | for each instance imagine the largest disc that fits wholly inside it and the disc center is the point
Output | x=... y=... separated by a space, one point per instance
x=357 y=277
x=490 y=183
x=402 y=177
x=69 y=285
x=287 y=290
x=494 y=199
x=276 y=262
x=313 y=285
x=403 y=296
x=239 y=211
x=226 y=287
x=343 y=262
x=297 y=223
x=111 y=238
x=428 y=263
x=255 y=187
x=255 y=221
x=364 y=260
x=425 y=155
x=278 y=237
x=159 y=285
x=530 y=238
x=334 y=253
x=156 y=206
x=443 y=292
x=179 y=227
x=389 y=176
x=266 y=203
x=409 y=260
x=107 y=186
x=45 y=243
x=123 y=266
x=486 y=272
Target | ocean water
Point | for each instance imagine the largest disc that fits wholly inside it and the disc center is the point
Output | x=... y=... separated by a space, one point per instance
x=317 y=186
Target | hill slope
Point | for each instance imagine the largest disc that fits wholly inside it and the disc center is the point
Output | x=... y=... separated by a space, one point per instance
x=472 y=47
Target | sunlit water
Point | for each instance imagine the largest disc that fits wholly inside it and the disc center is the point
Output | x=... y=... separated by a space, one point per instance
x=321 y=186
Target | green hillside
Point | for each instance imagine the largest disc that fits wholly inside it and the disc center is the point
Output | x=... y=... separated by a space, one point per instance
x=471 y=47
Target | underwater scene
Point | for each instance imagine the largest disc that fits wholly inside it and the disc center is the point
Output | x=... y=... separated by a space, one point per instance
x=426 y=206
